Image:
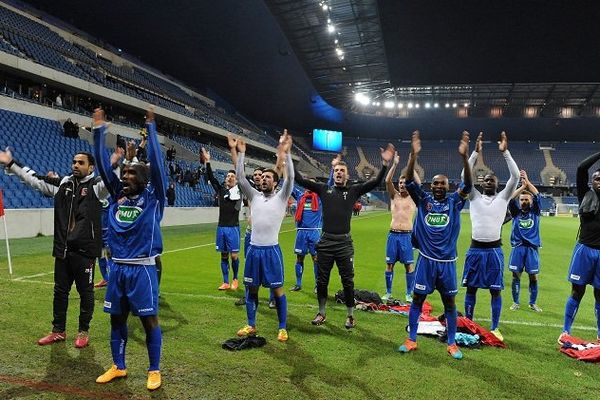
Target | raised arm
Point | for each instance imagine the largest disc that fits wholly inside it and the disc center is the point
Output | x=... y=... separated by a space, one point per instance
x=232 y=142
x=157 y=162
x=205 y=159
x=247 y=189
x=387 y=155
x=583 y=175
x=49 y=187
x=415 y=149
x=283 y=151
x=99 y=128
x=513 y=181
x=463 y=150
x=308 y=184
x=527 y=183
x=389 y=184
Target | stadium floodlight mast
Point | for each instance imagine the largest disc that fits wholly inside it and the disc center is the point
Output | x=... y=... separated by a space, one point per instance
x=400 y=105
x=389 y=104
x=410 y=105
x=427 y=105
x=417 y=105
x=447 y=105
x=454 y=105
x=436 y=105
x=330 y=28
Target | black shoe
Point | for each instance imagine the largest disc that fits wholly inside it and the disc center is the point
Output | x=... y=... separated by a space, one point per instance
x=319 y=319
x=272 y=304
x=296 y=288
x=241 y=302
x=350 y=322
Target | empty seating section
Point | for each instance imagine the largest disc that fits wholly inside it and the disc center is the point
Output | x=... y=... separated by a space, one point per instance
x=39 y=143
x=567 y=156
x=26 y=38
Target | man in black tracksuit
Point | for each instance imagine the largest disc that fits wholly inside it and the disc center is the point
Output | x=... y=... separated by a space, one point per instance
x=77 y=237
x=336 y=243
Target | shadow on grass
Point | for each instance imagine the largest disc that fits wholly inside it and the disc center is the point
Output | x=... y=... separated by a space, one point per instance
x=69 y=377
x=304 y=366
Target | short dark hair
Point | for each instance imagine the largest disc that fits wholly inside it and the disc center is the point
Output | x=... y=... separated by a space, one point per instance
x=259 y=169
x=90 y=157
x=526 y=192
x=275 y=174
x=342 y=163
x=232 y=171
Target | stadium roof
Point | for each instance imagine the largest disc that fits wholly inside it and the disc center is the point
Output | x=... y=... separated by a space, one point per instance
x=278 y=61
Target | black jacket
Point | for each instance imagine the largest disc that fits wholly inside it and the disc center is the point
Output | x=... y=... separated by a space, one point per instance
x=77 y=210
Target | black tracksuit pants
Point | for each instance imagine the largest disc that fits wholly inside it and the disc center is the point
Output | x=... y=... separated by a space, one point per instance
x=79 y=269
x=339 y=249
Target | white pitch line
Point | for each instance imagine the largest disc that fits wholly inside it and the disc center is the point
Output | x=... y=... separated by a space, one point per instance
x=33 y=276
x=311 y=306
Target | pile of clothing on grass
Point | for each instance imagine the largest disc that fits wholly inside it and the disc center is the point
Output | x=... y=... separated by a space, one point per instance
x=469 y=333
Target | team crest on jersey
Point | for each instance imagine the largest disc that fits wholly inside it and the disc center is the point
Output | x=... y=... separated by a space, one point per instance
x=128 y=214
x=84 y=191
x=526 y=223
x=428 y=206
x=437 y=220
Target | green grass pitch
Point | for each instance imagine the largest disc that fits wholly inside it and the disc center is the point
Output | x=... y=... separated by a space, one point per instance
x=325 y=362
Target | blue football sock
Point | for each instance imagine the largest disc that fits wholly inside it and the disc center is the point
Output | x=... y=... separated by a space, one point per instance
x=389 y=278
x=154 y=346
x=597 y=312
x=570 y=311
x=496 y=310
x=225 y=269
x=118 y=342
x=413 y=320
x=451 y=325
x=299 y=271
x=102 y=264
x=470 y=300
x=251 y=306
x=281 y=303
x=410 y=282
x=516 y=290
x=533 y=291
x=235 y=266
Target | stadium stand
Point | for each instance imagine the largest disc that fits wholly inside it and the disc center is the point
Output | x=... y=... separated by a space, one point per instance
x=26 y=38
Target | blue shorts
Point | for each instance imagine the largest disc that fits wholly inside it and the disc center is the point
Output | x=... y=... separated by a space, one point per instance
x=399 y=248
x=264 y=266
x=247 y=242
x=228 y=239
x=306 y=241
x=484 y=268
x=585 y=266
x=431 y=275
x=524 y=258
x=132 y=288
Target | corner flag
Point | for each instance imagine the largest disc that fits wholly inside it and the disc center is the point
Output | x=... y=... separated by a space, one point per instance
x=5 y=233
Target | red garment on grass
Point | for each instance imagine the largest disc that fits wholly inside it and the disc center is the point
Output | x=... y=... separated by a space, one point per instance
x=314 y=204
x=487 y=338
x=580 y=349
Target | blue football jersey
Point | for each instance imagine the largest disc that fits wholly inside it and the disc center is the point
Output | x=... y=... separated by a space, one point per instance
x=134 y=222
x=104 y=220
x=310 y=219
x=525 y=225
x=437 y=223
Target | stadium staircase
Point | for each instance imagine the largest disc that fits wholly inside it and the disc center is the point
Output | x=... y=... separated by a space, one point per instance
x=551 y=174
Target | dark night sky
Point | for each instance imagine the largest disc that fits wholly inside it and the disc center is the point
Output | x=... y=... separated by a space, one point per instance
x=503 y=41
